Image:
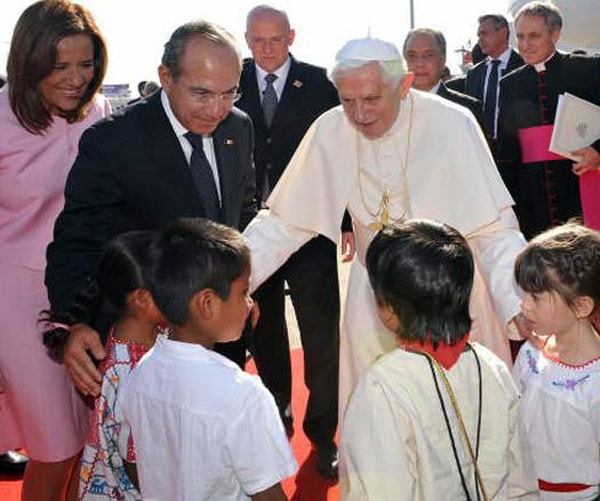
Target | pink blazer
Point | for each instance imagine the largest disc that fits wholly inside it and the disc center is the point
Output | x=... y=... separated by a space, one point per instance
x=33 y=172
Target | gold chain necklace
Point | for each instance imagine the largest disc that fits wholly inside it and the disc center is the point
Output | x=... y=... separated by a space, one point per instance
x=382 y=216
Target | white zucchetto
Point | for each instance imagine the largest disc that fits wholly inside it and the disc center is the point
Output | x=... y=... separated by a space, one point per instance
x=368 y=49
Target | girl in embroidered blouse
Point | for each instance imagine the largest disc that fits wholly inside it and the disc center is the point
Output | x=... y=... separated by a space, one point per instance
x=558 y=370
x=107 y=469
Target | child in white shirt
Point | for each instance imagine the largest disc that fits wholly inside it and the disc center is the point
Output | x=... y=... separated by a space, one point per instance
x=402 y=437
x=203 y=428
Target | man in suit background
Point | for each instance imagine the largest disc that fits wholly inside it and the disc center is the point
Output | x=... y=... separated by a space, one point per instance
x=183 y=152
x=501 y=59
x=283 y=97
x=544 y=186
x=425 y=53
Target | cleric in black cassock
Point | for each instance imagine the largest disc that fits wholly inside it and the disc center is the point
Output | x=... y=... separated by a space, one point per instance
x=545 y=188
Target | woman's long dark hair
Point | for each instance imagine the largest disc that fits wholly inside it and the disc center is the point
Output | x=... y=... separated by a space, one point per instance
x=32 y=57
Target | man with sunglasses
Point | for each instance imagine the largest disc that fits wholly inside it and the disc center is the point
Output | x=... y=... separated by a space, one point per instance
x=183 y=152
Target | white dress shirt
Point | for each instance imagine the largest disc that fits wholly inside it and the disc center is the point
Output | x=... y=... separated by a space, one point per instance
x=504 y=58
x=279 y=84
x=181 y=131
x=435 y=88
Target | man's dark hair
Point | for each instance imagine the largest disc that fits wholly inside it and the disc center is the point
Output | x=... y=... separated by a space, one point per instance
x=437 y=36
x=175 y=47
x=190 y=255
x=423 y=270
x=140 y=87
x=497 y=20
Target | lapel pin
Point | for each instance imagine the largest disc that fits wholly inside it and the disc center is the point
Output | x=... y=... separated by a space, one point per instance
x=297 y=84
x=229 y=142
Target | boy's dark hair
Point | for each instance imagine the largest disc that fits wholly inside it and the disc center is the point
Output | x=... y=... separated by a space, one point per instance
x=121 y=269
x=565 y=259
x=424 y=271
x=191 y=255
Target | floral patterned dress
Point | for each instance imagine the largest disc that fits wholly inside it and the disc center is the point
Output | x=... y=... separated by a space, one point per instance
x=560 y=410
x=109 y=442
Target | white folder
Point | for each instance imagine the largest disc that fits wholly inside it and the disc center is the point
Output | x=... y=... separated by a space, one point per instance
x=576 y=126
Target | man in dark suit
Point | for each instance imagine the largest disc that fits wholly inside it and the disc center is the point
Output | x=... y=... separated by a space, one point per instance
x=425 y=53
x=501 y=59
x=183 y=152
x=283 y=97
x=545 y=187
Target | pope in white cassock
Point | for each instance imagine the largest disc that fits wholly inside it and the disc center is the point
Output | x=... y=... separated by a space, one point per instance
x=391 y=152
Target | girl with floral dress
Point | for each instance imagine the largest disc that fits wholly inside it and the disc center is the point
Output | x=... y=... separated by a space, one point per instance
x=107 y=465
x=558 y=370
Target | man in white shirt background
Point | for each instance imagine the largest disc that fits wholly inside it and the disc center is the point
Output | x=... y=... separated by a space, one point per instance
x=493 y=38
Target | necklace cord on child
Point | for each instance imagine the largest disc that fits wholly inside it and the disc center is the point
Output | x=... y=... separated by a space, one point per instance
x=435 y=367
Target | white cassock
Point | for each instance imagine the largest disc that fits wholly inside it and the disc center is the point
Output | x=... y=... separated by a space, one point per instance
x=442 y=171
x=395 y=444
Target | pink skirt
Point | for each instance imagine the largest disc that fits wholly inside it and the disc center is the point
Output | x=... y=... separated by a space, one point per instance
x=40 y=409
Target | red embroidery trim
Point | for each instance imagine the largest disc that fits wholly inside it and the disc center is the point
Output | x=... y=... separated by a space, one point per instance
x=562 y=487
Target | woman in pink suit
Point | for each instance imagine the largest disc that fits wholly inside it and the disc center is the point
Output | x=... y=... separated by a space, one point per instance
x=56 y=64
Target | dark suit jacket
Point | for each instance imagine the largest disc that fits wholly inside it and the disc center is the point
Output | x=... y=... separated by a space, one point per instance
x=456 y=97
x=457 y=83
x=475 y=82
x=307 y=94
x=131 y=174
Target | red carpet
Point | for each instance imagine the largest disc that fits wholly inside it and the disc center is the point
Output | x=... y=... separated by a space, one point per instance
x=306 y=486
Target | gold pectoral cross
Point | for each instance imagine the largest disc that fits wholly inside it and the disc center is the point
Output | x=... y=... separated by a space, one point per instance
x=384 y=218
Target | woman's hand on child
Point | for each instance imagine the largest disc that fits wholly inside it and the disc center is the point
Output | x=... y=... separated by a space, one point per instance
x=84 y=340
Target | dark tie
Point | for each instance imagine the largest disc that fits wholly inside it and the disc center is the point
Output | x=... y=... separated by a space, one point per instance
x=203 y=177
x=269 y=101
x=491 y=99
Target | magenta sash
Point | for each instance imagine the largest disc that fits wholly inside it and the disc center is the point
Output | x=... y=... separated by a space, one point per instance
x=534 y=144
x=589 y=188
